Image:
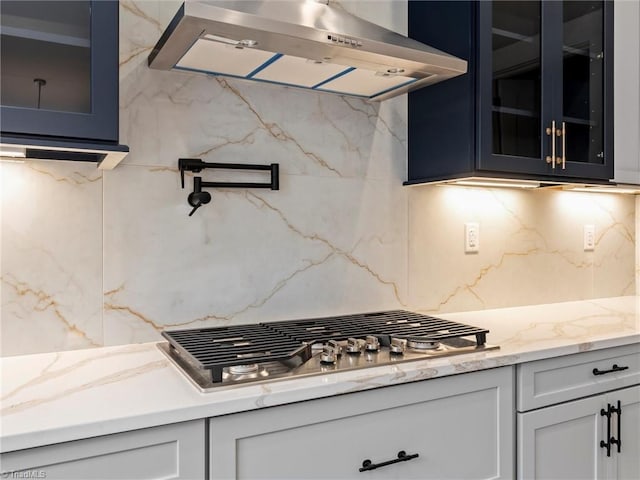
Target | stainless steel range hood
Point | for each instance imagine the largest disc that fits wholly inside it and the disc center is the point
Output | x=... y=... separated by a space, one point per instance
x=308 y=44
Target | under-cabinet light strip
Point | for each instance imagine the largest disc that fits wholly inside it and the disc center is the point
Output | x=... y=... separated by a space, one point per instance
x=605 y=190
x=13 y=152
x=497 y=183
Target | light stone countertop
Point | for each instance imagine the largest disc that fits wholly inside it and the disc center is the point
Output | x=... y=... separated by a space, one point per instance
x=57 y=397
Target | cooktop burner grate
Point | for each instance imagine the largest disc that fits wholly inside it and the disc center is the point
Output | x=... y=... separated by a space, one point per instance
x=393 y=323
x=290 y=342
x=219 y=347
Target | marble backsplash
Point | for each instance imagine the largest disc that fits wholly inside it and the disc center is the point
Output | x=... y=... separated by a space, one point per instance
x=93 y=258
x=531 y=247
x=637 y=245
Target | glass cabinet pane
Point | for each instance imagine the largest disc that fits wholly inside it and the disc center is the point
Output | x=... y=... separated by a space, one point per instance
x=583 y=80
x=516 y=80
x=45 y=55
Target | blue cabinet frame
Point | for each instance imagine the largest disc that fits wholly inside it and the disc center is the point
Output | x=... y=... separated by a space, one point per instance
x=101 y=124
x=450 y=124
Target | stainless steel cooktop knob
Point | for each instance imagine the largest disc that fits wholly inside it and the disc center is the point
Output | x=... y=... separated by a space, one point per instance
x=372 y=344
x=398 y=345
x=353 y=345
x=329 y=354
x=337 y=348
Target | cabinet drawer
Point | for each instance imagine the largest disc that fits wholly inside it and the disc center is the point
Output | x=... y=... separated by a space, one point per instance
x=168 y=452
x=466 y=417
x=556 y=380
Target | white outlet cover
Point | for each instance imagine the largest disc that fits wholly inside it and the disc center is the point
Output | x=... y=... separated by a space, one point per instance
x=589 y=238
x=471 y=237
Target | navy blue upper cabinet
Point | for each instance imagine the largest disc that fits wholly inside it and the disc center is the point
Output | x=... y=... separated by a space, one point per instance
x=537 y=102
x=59 y=62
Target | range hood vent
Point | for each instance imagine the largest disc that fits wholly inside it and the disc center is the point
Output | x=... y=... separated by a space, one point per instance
x=300 y=43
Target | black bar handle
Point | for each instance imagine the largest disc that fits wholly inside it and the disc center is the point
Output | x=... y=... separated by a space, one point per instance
x=615 y=368
x=402 y=457
x=619 y=423
x=614 y=440
x=607 y=444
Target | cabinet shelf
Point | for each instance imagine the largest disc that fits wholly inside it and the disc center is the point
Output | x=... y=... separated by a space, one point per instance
x=516 y=111
x=47 y=37
x=580 y=121
x=515 y=36
x=583 y=52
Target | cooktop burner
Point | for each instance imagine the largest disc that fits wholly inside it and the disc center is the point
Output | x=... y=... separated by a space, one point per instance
x=239 y=354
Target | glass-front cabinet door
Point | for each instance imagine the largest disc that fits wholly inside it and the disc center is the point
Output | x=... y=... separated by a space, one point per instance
x=584 y=110
x=543 y=88
x=516 y=65
x=511 y=81
x=59 y=64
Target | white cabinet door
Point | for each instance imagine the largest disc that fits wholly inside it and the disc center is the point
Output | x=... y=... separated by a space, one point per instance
x=461 y=427
x=174 y=451
x=563 y=441
x=627 y=462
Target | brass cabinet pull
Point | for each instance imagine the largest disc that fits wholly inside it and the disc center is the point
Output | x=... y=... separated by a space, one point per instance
x=552 y=132
x=564 y=143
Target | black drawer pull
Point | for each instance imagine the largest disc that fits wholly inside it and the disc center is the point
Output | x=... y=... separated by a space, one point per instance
x=402 y=457
x=607 y=413
x=615 y=368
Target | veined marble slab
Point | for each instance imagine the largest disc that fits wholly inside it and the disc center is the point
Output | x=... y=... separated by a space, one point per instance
x=50 y=257
x=531 y=247
x=637 y=200
x=58 y=397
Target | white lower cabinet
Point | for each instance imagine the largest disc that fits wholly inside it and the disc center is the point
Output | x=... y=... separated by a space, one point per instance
x=459 y=427
x=563 y=441
x=568 y=440
x=175 y=451
x=626 y=463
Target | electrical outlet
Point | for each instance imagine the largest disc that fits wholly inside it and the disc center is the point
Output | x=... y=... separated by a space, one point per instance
x=471 y=237
x=589 y=238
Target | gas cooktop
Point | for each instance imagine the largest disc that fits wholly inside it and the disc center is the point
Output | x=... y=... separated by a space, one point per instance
x=240 y=354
